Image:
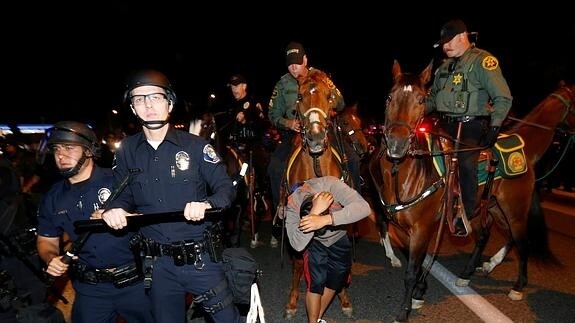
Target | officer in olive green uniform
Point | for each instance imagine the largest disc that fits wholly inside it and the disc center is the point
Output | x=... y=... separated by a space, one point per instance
x=468 y=90
x=282 y=114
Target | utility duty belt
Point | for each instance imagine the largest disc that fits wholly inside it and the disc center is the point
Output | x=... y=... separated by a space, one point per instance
x=121 y=276
x=451 y=119
x=186 y=252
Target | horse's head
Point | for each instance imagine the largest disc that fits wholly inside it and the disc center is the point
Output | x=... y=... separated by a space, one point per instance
x=316 y=100
x=566 y=94
x=350 y=126
x=404 y=110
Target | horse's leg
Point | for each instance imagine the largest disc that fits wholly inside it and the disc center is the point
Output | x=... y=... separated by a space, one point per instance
x=346 y=307
x=482 y=237
x=297 y=273
x=385 y=241
x=523 y=233
x=488 y=266
x=516 y=293
x=417 y=252
x=419 y=291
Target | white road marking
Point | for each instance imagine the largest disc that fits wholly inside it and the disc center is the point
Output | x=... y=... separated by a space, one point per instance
x=479 y=305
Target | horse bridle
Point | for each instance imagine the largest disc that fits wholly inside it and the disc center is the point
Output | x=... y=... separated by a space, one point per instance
x=568 y=103
x=351 y=134
x=312 y=116
x=389 y=127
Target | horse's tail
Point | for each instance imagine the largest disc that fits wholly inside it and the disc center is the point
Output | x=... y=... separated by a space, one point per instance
x=537 y=233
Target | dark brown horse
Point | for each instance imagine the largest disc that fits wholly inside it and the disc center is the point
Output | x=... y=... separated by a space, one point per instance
x=412 y=190
x=315 y=156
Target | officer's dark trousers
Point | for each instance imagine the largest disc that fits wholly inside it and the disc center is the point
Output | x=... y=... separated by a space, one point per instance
x=170 y=284
x=105 y=302
x=471 y=134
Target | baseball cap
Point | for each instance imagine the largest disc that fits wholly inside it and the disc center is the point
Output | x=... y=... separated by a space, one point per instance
x=237 y=79
x=294 y=53
x=449 y=30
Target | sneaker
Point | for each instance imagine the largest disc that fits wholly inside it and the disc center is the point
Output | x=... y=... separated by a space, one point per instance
x=321 y=321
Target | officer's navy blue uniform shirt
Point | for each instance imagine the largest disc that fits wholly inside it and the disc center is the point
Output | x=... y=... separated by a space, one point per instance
x=66 y=203
x=184 y=168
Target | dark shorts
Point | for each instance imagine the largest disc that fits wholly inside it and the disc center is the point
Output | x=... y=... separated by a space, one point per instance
x=327 y=267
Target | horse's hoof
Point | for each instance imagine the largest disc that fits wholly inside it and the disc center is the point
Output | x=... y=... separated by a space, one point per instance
x=347 y=311
x=290 y=313
x=416 y=303
x=515 y=295
x=460 y=282
x=395 y=263
x=274 y=242
x=486 y=268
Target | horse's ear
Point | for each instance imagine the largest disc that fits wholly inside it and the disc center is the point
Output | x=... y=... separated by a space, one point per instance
x=425 y=75
x=396 y=70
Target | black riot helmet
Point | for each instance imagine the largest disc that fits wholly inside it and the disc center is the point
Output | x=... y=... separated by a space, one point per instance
x=72 y=132
x=154 y=78
x=149 y=77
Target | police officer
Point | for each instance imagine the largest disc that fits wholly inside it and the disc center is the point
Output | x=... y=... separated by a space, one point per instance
x=247 y=133
x=471 y=94
x=179 y=171
x=282 y=113
x=105 y=276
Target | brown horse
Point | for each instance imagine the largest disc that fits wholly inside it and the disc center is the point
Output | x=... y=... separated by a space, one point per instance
x=314 y=156
x=408 y=187
x=511 y=204
x=412 y=191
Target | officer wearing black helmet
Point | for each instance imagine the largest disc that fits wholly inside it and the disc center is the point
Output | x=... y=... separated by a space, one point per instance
x=105 y=260
x=179 y=171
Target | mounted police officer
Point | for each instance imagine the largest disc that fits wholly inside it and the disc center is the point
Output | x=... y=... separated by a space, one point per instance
x=282 y=113
x=178 y=171
x=104 y=275
x=472 y=98
x=248 y=131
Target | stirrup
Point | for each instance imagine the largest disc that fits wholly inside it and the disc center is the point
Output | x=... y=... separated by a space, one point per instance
x=458 y=230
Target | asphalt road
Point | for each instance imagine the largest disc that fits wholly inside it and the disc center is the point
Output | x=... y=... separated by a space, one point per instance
x=377 y=287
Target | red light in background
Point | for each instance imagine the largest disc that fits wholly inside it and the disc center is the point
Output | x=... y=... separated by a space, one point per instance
x=422 y=128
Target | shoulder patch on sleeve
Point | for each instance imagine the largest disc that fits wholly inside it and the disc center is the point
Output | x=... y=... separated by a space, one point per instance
x=210 y=154
x=489 y=63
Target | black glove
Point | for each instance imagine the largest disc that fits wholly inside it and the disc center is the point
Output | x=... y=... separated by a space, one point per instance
x=490 y=137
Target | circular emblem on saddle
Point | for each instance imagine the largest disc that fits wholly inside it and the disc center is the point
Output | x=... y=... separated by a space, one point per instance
x=516 y=162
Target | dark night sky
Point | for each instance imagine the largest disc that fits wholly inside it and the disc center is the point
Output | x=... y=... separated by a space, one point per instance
x=72 y=66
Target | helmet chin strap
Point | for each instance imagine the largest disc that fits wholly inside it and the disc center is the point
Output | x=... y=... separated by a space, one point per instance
x=153 y=124
x=69 y=172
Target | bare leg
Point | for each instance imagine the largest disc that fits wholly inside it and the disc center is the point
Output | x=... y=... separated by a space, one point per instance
x=317 y=304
